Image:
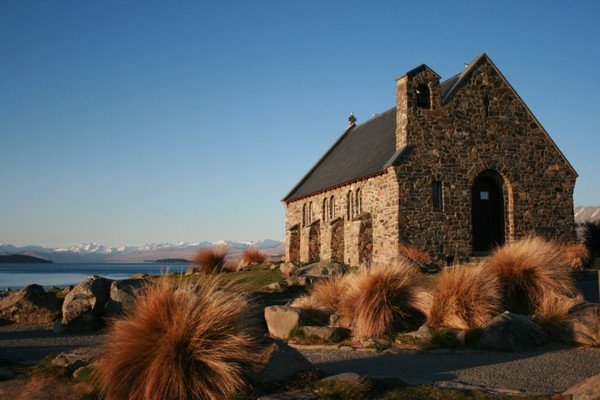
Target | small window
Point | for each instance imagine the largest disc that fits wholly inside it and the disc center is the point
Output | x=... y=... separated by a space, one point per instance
x=423 y=98
x=437 y=195
x=484 y=195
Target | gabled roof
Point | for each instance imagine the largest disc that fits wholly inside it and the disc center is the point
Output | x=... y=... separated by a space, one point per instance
x=361 y=151
x=368 y=149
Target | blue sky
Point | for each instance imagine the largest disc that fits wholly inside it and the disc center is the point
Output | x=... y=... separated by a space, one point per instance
x=127 y=122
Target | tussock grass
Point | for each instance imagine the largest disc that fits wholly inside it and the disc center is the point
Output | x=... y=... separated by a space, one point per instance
x=387 y=300
x=254 y=255
x=415 y=253
x=577 y=255
x=530 y=269
x=181 y=343
x=211 y=259
x=552 y=313
x=465 y=297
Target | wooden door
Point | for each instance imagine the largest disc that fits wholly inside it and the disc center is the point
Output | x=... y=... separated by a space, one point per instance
x=487 y=203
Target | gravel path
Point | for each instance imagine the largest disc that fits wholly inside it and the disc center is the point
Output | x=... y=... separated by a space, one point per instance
x=30 y=343
x=540 y=371
x=549 y=370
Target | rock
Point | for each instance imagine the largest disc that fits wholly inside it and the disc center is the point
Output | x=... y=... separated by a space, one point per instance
x=343 y=377
x=321 y=269
x=586 y=390
x=279 y=361
x=122 y=295
x=424 y=333
x=65 y=291
x=30 y=305
x=140 y=275
x=84 y=304
x=585 y=324
x=76 y=358
x=328 y=333
x=512 y=332
x=296 y=281
x=191 y=271
x=282 y=320
x=288 y=268
x=274 y=287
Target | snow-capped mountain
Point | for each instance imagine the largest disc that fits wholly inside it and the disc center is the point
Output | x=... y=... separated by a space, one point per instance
x=98 y=253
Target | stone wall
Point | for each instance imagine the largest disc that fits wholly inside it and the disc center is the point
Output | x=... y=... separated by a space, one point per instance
x=340 y=232
x=485 y=126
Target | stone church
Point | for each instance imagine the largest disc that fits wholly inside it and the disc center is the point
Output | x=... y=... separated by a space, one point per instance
x=454 y=169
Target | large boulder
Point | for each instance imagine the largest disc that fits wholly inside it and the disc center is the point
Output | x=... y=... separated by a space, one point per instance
x=512 y=332
x=84 y=305
x=122 y=295
x=321 y=269
x=76 y=358
x=30 y=305
x=279 y=361
x=585 y=324
x=283 y=320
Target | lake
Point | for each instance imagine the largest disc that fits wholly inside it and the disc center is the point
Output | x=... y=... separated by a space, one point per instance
x=16 y=276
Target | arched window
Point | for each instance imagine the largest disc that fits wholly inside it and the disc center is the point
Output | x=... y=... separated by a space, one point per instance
x=349 y=204
x=325 y=209
x=423 y=97
x=310 y=213
x=358 y=200
x=304 y=214
x=332 y=208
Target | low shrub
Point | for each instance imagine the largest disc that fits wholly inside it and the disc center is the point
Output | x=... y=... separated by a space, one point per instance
x=211 y=259
x=529 y=269
x=254 y=255
x=387 y=300
x=552 y=314
x=181 y=343
x=465 y=297
x=415 y=253
x=577 y=255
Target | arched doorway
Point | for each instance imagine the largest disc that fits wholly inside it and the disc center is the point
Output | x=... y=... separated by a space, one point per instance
x=487 y=210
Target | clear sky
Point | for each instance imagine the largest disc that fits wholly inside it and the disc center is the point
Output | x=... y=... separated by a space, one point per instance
x=127 y=122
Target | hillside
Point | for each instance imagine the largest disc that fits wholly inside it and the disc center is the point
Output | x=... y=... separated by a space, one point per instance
x=21 y=259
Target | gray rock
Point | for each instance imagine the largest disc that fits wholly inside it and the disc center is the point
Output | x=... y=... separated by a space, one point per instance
x=279 y=361
x=321 y=269
x=122 y=295
x=296 y=281
x=326 y=332
x=282 y=320
x=512 y=332
x=76 y=358
x=84 y=304
x=424 y=333
x=288 y=268
x=29 y=305
x=274 y=287
x=585 y=324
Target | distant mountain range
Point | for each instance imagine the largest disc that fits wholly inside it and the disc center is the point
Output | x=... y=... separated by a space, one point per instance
x=97 y=253
x=587 y=213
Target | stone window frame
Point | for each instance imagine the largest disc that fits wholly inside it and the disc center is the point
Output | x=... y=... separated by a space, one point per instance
x=332 y=208
x=325 y=209
x=358 y=202
x=349 y=208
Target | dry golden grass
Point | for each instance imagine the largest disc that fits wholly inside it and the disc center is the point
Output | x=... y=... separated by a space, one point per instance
x=254 y=255
x=415 y=253
x=387 y=300
x=181 y=343
x=528 y=270
x=577 y=255
x=211 y=259
x=465 y=297
x=327 y=293
x=552 y=313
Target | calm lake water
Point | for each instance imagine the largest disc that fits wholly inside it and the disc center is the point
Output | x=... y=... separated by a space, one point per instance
x=15 y=276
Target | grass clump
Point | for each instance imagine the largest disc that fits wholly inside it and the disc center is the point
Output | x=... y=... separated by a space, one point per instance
x=414 y=253
x=465 y=297
x=211 y=259
x=528 y=270
x=577 y=255
x=179 y=342
x=385 y=300
x=254 y=256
